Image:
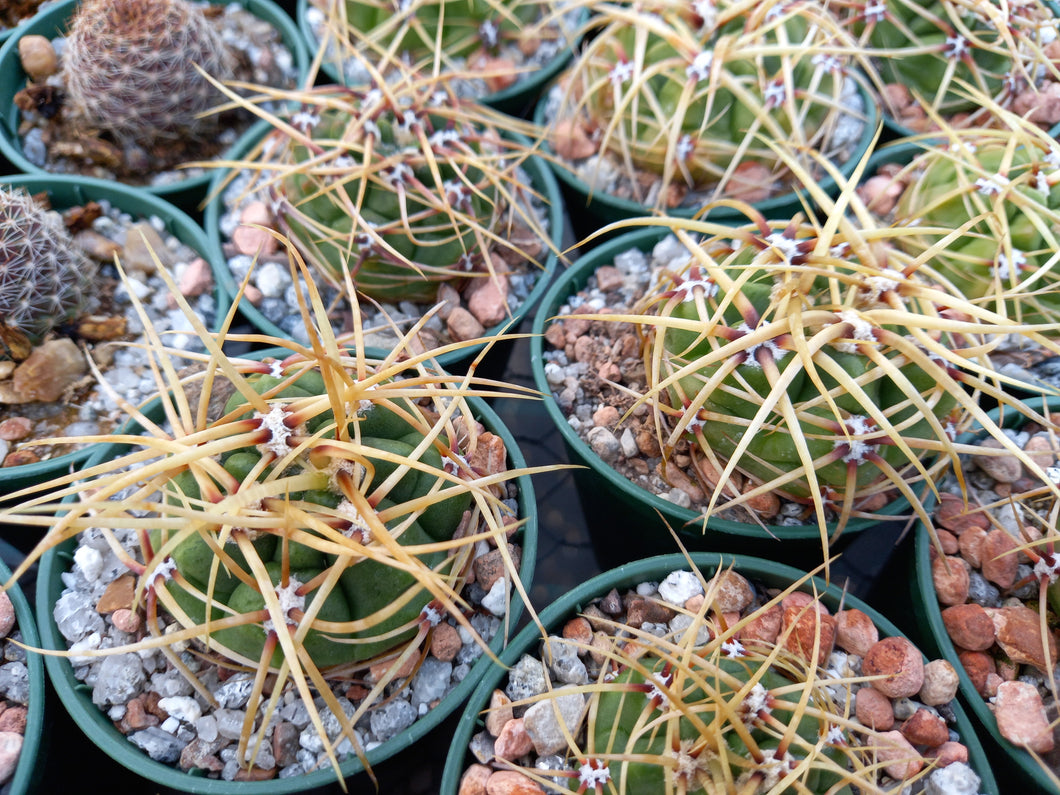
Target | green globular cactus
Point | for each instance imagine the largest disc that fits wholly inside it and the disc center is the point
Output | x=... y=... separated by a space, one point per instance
x=421 y=30
x=940 y=50
x=698 y=93
x=379 y=603
x=707 y=699
x=132 y=69
x=45 y=279
x=989 y=204
x=400 y=193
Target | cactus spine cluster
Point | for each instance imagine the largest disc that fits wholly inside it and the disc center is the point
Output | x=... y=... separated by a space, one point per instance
x=131 y=68
x=45 y=279
x=695 y=92
x=401 y=192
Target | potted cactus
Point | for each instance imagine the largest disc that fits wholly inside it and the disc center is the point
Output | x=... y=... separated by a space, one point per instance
x=65 y=316
x=408 y=196
x=946 y=61
x=668 y=108
x=310 y=523
x=987 y=599
x=127 y=100
x=804 y=373
x=730 y=674
x=500 y=53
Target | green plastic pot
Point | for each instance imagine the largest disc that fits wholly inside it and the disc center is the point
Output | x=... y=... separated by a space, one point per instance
x=542 y=180
x=77 y=697
x=619 y=507
x=603 y=208
x=51 y=23
x=654 y=569
x=515 y=100
x=65 y=191
x=29 y=769
x=927 y=615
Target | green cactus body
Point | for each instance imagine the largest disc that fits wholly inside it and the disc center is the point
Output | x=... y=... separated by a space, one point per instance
x=721 y=85
x=131 y=68
x=45 y=279
x=456 y=28
x=632 y=720
x=366 y=586
x=402 y=213
x=718 y=308
x=947 y=45
x=1007 y=205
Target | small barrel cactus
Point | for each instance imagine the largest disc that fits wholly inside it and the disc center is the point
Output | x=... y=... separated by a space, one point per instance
x=696 y=94
x=938 y=58
x=821 y=361
x=988 y=206
x=132 y=68
x=353 y=495
x=399 y=192
x=45 y=279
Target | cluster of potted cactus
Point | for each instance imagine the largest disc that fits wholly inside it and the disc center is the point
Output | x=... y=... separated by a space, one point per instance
x=315 y=541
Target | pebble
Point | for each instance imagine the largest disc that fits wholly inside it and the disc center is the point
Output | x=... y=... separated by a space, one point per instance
x=1018 y=632
x=955 y=778
x=951 y=578
x=855 y=632
x=542 y=721
x=604 y=444
x=969 y=626
x=1000 y=563
x=680 y=586
x=38 y=57
x=900 y=665
x=940 y=683
x=899 y=758
x=1021 y=716
x=10 y=748
x=874 y=709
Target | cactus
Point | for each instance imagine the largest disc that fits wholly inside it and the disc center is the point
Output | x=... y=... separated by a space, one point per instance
x=45 y=279
x=989 y=203
x=941 y=51
x=400 y=191
x=697 y=96
x=310 y=517
x=131 y=69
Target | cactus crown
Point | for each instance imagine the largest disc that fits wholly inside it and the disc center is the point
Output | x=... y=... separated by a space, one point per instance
x=993 y=199
x=310 y=515
x=696 y=93
x=697 y=709
x=131 y=68
x=935 y=52
x=390 y=193
x=45 y=279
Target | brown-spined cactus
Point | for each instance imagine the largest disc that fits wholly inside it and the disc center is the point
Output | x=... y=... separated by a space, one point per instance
x=132 y=68
x=44 y=278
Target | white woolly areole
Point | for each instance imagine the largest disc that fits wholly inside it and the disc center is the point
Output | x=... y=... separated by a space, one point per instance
x=687 y=289
x=656 y=691
x=431 y=615
x=699 y=69
x=276 y=369
x=888 y=279
x=860 y=329
x=756 y=701
x=990 y=186
x=835 y=736
x=769 y=345
x=289 y=600
x=347 y=510
x=1043 y=568
x=590 y=776
x=857 y=425
x=956 y=47
x=620 y=72
x=707 y=11
x=733 y=648
x=774 y=769
x=785 y=246
x=274 y=422
x=1005 y=268
x=165 y=569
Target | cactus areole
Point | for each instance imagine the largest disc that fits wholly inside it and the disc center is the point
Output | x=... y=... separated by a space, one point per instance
x=786 y=353
x=395 y=194
x=335 y=506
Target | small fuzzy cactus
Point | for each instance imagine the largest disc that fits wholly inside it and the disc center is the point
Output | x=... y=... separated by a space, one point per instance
x=696 y=94
x=932 y=58
x=45 y=279
x=395 y=192
x=132 y=69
